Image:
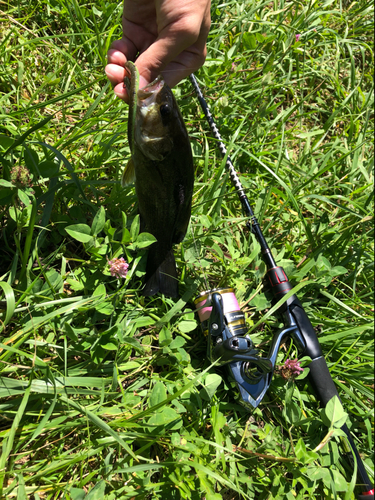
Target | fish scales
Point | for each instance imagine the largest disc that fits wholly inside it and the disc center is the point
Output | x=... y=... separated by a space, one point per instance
x=162 y=164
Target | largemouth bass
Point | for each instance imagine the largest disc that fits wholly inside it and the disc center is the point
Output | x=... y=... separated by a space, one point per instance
x=162 y=167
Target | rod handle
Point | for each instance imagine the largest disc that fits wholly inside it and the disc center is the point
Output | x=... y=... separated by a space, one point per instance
x=321 y=380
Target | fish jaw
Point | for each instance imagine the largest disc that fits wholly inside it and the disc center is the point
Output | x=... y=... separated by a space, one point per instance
x=152 y=133
x=148 y=93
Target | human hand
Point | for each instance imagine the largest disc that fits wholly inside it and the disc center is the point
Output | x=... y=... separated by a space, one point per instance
x=161 y=36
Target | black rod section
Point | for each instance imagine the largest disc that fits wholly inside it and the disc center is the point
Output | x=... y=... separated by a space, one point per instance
x=254 y=227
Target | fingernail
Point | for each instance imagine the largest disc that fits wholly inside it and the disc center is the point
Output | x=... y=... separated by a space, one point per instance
x=108 y=73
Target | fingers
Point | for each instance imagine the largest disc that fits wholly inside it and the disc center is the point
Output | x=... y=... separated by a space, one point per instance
x=115 y=70
x=171 y=41
x=116 y=75
x=179 y=50
x=120 y=51
x=187 y=63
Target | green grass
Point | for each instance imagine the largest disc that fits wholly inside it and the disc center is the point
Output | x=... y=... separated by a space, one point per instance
x=107 y=394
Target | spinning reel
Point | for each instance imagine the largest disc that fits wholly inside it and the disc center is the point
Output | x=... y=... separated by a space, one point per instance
x=229 y=343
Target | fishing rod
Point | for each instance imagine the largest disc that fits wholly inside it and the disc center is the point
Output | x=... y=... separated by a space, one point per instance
x=224 y=323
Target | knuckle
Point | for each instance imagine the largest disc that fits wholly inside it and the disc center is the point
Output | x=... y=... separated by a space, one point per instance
x=189 y=30
x=200 y=59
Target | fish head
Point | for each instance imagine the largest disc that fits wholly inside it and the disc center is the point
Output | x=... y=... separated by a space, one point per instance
x=156 y=115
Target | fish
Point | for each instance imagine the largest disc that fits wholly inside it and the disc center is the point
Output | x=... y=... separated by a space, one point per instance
x=161 y=165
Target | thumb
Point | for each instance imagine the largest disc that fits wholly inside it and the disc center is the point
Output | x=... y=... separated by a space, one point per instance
x=167 y=47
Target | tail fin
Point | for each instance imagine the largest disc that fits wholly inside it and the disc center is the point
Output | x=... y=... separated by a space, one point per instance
x=164 y=280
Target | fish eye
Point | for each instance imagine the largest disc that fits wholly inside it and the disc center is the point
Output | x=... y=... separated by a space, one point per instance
x=165 y=110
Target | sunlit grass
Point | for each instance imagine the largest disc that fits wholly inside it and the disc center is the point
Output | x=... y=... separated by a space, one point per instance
x=110 y=394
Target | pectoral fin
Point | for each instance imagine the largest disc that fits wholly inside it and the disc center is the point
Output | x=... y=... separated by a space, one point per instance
x=128 y=175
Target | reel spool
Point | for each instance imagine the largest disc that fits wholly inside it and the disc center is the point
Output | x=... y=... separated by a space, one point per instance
x=223 y=322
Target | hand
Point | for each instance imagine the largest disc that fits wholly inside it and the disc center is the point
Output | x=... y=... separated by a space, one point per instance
x=161 y=36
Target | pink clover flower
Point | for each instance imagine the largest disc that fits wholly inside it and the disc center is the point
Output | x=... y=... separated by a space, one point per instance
x=118 y=267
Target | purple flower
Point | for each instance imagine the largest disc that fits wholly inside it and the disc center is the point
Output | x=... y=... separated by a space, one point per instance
x=118 y=267
x=20 y=176
x=298 y=37
x=291 y=369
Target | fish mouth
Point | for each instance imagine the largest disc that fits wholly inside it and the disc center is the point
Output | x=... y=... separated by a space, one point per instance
x=148 y=109
x=147 y=95
x=150 y=133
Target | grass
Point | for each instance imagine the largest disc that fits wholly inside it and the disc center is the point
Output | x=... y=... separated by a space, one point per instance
x=108 y=395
